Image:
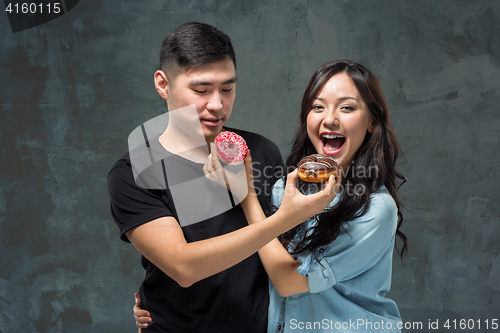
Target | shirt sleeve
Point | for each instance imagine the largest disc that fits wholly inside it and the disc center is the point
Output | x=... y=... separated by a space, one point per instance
x=357 y=249
x=131 y=205
x=277 y=193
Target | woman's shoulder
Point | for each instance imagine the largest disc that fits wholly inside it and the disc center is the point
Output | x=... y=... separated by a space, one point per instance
x=382 y=196
x=382 y=204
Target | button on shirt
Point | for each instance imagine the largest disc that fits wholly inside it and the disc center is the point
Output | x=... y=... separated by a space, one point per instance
x=348 y=278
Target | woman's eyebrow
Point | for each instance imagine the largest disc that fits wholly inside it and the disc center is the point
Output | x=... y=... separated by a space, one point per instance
x=342 y=99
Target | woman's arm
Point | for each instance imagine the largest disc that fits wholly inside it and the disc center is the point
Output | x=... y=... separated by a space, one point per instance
x=142 y=317
x=295 y=208
x=280 y=266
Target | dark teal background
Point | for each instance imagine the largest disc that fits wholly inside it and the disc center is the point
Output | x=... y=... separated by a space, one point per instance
x=74 y=88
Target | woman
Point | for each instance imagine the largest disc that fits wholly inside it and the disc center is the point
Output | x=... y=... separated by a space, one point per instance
x=331 y=272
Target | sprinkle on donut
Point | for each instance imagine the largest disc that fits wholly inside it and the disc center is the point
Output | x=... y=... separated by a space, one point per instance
x=231 y=148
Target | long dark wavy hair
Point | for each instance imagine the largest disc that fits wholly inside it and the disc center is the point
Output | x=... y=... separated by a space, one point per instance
x=379 y=151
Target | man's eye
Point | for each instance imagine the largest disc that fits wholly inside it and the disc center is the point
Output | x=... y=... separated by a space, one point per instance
x=199 y=91
x=227 y=90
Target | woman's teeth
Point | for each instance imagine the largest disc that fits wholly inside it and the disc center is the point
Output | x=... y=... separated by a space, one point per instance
x=332 y=143
x=332 y=136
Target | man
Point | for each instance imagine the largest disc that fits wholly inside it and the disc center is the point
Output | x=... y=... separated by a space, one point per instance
x=203 y=276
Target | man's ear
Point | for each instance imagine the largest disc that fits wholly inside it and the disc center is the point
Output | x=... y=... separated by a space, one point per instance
x=161 y=84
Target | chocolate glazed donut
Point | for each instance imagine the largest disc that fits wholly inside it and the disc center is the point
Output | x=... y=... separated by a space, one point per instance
x=317 y=168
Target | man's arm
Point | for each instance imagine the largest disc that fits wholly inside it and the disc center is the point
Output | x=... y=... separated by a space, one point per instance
x=162 y=241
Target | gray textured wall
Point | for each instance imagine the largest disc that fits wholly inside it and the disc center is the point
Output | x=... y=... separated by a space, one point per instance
x=74 y=88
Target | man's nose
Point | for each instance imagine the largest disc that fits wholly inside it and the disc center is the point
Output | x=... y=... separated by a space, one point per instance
x=215 y=102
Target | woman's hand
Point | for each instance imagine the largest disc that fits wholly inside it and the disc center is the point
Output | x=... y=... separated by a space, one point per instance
x=142 y=317
x=295 y=207
x=298 y=205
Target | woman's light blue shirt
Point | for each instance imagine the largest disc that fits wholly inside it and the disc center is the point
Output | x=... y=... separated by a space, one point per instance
x=347 y=279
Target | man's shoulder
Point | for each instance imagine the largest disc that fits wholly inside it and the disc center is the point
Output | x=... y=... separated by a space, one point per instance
x=120 y=164
x=120 y=174
x=247 y=134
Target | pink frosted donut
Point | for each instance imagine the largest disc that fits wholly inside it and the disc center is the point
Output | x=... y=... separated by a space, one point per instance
x=231 y=148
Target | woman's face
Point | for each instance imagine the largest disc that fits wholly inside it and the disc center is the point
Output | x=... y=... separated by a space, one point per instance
x=338 y=120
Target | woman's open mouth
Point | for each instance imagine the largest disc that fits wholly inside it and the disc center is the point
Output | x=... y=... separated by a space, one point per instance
x=332 y=143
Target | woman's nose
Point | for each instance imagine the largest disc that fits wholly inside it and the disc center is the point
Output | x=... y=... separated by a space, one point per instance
x=331 y=119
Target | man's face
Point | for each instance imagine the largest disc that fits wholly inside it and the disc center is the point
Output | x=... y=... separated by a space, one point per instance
x=211 y=88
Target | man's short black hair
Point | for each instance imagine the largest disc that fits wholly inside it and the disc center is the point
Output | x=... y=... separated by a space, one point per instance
x=193 y=44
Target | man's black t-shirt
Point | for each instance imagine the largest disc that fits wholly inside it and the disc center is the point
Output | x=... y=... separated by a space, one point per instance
x=233 y=300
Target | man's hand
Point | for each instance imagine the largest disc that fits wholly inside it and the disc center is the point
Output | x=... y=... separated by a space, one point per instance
x=142 y=317
x=234 y=182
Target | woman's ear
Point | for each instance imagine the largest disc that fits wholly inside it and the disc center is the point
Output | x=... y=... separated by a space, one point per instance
x=161 y=84
x=370 y=126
